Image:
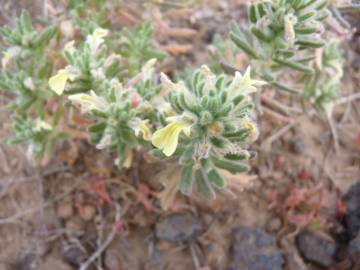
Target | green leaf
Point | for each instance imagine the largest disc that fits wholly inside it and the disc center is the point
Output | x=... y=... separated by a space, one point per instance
x=232 y=167
x=310 y=43
x=252 y=14
x=203 y=187
x=187 y=156
x=294 y=65
x=98 y=127
x=216 y=179
x=46 y=35
x=186 y=180
x=25 y=22
x=263 y=34
x=243 y=156
x=243 y=45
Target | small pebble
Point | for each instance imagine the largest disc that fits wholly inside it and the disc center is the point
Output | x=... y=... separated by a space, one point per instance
x=65 y=210
x=317 y=248
x=178 y=227
x=352 y=217
x=254 y=249
x=74 y=255
x=297 y=145
x=88 y=212
x=354 y=248
x=28 y=262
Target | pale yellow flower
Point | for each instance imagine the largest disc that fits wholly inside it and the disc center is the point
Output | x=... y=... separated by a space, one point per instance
x=290 y=21
x=167 y=138
x=253 y=130
x=8 y=55
x=57 y=82
x=168 y=85
x=96 y=38
x=209 y=75
x=148 y=69
x=104 y=142
x=70 y=47
x=243 y=84
x=42 y=125
x=89 y=102
x=141 y=127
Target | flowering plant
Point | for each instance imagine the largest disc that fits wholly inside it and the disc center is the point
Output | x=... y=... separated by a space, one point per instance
x=205 y=124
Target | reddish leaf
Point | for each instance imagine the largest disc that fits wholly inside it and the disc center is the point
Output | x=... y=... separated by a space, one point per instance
x=357 y=142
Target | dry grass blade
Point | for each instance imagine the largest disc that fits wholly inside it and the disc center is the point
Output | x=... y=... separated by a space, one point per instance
x=107 y=242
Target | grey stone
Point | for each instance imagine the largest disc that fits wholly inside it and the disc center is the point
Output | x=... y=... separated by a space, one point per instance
x=254 y=249
x=316 y=248
x=178 y=227
x=352 y=218
x=354 y=247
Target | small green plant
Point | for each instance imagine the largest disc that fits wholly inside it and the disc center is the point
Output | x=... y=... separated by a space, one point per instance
x=25 y=67
x=137 y=47
x=25 y=48
x=289 y=34
x=88 y=15
x=213 y=114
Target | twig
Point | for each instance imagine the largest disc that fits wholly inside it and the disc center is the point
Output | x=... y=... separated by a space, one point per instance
x=40 y=224
x=278 y=105
x=334 y=132
x=347 y=99
x=266 y=145
x=102 y=248
x=351 y=8
x=5 y=167
x=275 y=115
x=194 y=256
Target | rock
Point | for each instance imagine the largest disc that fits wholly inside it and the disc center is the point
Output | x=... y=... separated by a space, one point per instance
x=352 y=218
x=254 y=249
x=178 y=227
x=316 y=248
x=356 y=63
x=28 y=262
x=354 y=251
x=73 y=255
x=297 y=145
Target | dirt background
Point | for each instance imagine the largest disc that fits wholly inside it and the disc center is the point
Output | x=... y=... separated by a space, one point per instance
x=81 y=207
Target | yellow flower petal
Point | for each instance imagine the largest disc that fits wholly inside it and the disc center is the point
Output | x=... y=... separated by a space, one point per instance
x=89 y=102
x=100 y=33
x=146 y=134
x=97 y=38
x=167 y=138
x=42 y=125
x=140 y=127
x=57 y=82
x=244 y=84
